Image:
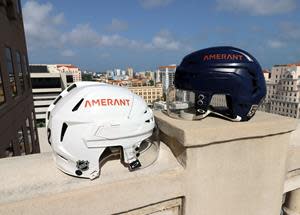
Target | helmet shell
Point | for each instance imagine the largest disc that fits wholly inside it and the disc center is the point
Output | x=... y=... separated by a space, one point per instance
x=87 y=119
x=223 y=70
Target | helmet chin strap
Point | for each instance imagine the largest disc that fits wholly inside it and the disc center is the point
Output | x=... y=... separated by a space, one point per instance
x=236 y=119
x=191 y=116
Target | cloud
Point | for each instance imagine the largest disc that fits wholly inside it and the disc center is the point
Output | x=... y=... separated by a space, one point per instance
x=150 y=4
x=164 y=40
x=117 y=25
x=81 y=35
x=275 y=44
x=84 y=35
x=67 y=53
x=43 y=30
x=41 y=24
x=258 y=7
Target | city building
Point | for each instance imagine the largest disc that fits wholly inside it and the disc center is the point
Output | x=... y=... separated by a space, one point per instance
x=167 y=74
x=47 y=84
x=18 y=133
x=129 y=72
x=72 y=73
x=157 y=76
x=283 y=90
x=70 y=69
x=149 y=93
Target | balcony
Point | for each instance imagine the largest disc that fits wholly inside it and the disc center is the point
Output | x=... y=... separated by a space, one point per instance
x=212 y=166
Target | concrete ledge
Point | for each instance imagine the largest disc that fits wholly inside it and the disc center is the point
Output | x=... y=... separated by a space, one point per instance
x=293 y=160
x=292 y=181
x=33 y=185
x=214 y=130
x=229 y=168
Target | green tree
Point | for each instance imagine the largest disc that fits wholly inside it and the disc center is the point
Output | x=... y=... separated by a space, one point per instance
x=87 y=77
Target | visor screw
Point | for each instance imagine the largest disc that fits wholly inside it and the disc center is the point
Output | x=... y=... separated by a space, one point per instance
x=137 y=154
x=78 y=172
x=137 y=149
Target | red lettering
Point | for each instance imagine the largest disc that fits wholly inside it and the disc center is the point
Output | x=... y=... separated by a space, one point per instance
x=87 y=103
x=94 y=102
x=103 y=102
x=222 y=57
x=122 y=102
x=110 y=102
x=107 y=102
x=116 y=102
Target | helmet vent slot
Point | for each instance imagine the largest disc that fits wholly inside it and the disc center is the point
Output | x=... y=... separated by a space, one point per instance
x=62 y=157
x=148 y=121
x=218 y=100
x=56 y=100
x=75 y=108
x=63 y=131
x=71 y=87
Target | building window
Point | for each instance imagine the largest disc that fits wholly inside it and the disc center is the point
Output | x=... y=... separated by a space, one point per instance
x=20 y=72
x=9 y=152
x=33 y=126
x=46 y=82
x=25 y=66
x=69 y=78
x=21 y=141
x=10 y=70
x=10 y=10
x=2 y=96
x=19 y=11
x=29 y=135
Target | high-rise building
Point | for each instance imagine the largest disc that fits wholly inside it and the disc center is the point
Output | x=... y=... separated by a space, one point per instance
x=18 y=133
x=157 y=76
x=167 y=76
x=129 y=72
x=283 y=91
x=117 y=72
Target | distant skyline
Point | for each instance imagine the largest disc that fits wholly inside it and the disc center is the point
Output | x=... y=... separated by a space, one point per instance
x=145 y=34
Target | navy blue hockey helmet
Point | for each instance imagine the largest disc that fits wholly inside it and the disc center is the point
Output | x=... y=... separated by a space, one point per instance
x=226 y=81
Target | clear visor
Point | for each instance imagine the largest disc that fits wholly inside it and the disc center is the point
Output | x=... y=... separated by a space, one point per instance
x=183 y=104
x=148 y=149
x=137 y=156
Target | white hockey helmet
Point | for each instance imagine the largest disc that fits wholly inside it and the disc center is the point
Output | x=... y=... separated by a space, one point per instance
x=89 y=120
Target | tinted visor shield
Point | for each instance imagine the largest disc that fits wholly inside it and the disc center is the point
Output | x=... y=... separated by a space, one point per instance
x=190 y=105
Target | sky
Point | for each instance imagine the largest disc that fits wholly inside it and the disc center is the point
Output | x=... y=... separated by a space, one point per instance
x=99 y=35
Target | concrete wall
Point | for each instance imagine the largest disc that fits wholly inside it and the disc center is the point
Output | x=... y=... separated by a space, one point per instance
x=212 y=166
